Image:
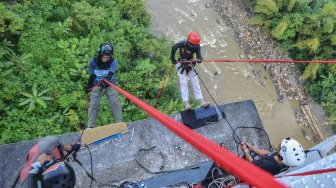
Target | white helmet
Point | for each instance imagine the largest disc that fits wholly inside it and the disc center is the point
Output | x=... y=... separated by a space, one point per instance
x=292 y=152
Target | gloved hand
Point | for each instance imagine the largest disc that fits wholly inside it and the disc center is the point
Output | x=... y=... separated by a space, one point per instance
x=75 y=147
x=87 y=89
x=109 y=75
x=174 y=62
x=35 y=167
x=199 y=60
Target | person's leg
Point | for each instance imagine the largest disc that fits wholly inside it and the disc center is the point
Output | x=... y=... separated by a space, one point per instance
x=95 y=98
x=183 y=86
x=197 y=89
x=112 y=97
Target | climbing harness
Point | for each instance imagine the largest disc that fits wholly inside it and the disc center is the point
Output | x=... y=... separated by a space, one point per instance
x=186 y=67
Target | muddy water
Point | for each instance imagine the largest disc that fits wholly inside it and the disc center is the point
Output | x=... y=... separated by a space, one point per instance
x=227 y=82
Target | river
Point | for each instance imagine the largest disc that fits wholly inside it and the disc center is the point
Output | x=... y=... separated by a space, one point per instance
x=227 y=82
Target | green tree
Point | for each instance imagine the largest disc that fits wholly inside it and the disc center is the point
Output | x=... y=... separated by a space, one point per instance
x=306 y=30
x=267 y=7
x=52 y=44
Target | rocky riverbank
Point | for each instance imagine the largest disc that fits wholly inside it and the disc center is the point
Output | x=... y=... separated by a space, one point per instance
x=258 y=45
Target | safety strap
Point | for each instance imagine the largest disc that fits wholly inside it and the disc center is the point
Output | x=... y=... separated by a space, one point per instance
x=97 y=84
x=310 y=172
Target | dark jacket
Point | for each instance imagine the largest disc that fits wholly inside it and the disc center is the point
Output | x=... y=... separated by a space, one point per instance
x=186 y=51
x=99 y=70
x=268 y=163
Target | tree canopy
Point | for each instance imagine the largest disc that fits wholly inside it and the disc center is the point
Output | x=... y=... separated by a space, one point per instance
x=45 y=48
x=306 y=29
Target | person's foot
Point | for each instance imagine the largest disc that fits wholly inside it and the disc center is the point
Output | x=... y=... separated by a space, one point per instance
x=204 y=104
x=88 y=128
x=187 y=106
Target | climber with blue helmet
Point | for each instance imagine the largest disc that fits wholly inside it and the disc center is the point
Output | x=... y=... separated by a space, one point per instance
x=102 y=68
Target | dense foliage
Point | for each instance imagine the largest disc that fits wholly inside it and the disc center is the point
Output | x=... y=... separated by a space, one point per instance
x=45 y=47
x=306 y=29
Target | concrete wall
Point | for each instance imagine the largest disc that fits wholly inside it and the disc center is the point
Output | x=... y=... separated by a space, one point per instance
x=115 y=160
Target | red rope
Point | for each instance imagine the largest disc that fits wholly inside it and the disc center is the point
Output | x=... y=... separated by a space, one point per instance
x=310 y=172
x=229 y=161
x=262 y=61
x=163 y=84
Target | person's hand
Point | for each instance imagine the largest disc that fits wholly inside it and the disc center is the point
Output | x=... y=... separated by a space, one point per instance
x=87 y=89
x=75 y=147
x=43 y=158
x=248 y=145
x=174 y=62
x=199 y=60
x=35 y=167
x=109 y=75
x=243 y=146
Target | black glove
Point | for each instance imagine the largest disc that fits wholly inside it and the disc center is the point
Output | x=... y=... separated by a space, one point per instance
x=91 y=79
x=174 y=62
x=75 y=147
x=109 y=75
x=87 y=89
x=199 y=60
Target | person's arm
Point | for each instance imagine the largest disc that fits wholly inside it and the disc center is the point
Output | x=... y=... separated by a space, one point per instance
x=72 y=147
x=246 y=151
x=67 y=147
x=113 y=68
x=91 y=66
x=257 y=150
x=198 y=54
x=92 y=76
x=173 y=51
x=91 y=73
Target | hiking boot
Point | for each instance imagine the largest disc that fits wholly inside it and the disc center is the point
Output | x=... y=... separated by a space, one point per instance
x=187 y=106
x=204 y=104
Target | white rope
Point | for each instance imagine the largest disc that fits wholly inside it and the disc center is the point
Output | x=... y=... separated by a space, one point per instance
x=119 y=138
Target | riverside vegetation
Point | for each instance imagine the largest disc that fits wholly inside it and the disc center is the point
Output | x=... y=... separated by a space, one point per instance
x=45 y=48
x=306 y=30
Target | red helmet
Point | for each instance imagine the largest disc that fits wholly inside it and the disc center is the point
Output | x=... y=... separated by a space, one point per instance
x=194 y=38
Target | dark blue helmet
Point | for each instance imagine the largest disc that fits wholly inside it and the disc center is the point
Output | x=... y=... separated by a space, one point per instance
x=106 y=49
x=57 y=174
